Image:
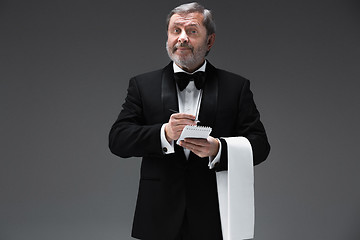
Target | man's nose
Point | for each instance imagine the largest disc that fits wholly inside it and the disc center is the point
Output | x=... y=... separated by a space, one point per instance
x=183 y=38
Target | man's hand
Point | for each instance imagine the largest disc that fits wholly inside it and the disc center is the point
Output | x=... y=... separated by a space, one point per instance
x=176 y=124
x=202 y=147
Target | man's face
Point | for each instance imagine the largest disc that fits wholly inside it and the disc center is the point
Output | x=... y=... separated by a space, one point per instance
x=188 y=42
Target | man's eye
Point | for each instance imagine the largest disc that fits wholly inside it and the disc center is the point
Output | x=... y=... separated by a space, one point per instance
x=176 y=30
x=192 y=31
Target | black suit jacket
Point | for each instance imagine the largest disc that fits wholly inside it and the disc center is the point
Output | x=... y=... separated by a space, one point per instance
x=170 y=185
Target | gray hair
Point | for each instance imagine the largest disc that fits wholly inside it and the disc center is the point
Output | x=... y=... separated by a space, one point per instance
x=208 y=20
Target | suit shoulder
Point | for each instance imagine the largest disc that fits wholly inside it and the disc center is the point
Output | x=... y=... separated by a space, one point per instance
x=149 y=75
x=152 y=77
x=230 y=75
x=231 y=80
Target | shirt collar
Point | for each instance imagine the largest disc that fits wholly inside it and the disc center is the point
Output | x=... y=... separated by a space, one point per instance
x=178 y=69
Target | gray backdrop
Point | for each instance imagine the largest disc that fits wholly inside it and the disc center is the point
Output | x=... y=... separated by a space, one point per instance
x=65 y=67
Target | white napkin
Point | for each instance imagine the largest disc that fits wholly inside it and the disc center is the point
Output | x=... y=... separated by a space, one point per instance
x=236 y=191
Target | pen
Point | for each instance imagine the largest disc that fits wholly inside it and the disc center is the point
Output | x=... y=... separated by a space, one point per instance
x=174 y=111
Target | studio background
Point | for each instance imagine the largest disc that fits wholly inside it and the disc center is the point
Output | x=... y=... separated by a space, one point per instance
x=64 y=71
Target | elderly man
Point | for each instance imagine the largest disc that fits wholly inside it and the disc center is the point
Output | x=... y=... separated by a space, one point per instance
x=178 y=196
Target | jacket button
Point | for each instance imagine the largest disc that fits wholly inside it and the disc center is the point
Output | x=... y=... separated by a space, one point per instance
x=165 y=149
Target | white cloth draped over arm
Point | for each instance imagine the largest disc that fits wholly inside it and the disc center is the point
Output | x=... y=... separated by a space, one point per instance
x=236 y=191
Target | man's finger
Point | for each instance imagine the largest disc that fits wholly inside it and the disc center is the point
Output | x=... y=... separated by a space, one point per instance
x=183 y=122
x=197 y=141
x=183 y=116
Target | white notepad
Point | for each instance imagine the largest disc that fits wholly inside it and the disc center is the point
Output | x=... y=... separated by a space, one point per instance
x=194 y=132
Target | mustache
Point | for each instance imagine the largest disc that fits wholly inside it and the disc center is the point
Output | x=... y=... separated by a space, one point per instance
x=186 y=45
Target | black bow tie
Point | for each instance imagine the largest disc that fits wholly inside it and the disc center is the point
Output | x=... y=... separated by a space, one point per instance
x=182 y=79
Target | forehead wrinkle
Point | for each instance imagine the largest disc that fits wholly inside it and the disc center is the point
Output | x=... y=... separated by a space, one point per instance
x=186 y=20
x=184 y=23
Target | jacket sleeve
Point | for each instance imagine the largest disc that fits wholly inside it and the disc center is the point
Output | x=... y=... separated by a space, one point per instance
x=248 y=125
x=130 y=136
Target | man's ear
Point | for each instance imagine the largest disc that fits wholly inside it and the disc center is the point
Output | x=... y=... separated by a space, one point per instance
x=210 y=41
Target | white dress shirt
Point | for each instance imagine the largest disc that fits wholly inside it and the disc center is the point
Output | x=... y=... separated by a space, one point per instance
x=189 y=99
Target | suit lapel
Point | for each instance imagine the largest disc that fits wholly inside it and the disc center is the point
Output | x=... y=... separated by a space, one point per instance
x=168 y=92
x=170 y=101
x=210 y=96
x=209 y=100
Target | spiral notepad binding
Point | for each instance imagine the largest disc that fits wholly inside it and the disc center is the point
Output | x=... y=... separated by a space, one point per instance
x=194 y=132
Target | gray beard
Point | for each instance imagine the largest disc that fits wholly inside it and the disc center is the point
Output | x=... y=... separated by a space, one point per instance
x=188 y=62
